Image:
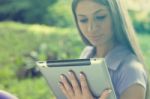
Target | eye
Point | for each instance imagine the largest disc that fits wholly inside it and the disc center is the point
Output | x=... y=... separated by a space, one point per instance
x=84 y=20
x=100 y=17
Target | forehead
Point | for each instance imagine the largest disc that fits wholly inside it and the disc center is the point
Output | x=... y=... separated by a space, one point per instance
x=89 y=7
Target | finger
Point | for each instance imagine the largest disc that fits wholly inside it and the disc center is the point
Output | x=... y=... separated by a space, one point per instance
x=84 y=85
x=62 y=87
x=67 y=86
x=74 y=82
x=105 y=94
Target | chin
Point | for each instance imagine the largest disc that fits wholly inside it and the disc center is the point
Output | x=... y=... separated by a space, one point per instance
x=97 y=43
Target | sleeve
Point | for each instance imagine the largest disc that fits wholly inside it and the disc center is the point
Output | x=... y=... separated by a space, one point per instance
x=131 y=74
x=86 y=52
x=6 y=95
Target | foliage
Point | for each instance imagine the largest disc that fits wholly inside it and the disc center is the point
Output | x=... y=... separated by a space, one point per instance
x=50 y=12
x=29 y=11
x=141 y=21
x=59 y=14
x=144 y=40
x=22 y=45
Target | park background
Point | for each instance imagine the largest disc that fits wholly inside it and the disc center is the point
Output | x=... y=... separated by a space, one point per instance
x=32 y=30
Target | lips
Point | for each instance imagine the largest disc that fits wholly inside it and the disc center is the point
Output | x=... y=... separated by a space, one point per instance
x=96 y=37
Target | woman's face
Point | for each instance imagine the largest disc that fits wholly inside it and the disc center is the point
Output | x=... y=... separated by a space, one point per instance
x=94 y=21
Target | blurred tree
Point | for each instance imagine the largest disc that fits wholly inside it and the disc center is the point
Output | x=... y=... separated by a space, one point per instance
x=140 y=14
x=29 y=11
x=60 y=14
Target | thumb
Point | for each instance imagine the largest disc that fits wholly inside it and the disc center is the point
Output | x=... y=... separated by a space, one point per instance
x=105 y=94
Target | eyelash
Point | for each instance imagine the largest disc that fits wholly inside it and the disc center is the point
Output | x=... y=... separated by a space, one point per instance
x=99 y=18
x=84 y=20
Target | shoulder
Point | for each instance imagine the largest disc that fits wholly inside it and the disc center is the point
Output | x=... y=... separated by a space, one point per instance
x=131 y=72
x=131 y=65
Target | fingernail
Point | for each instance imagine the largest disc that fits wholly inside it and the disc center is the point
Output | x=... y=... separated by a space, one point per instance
x=81 y=75
x=70 y=73
x=62 y=77
x=109 y=90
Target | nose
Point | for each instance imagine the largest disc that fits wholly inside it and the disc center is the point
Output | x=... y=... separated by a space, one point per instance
x=91 y=25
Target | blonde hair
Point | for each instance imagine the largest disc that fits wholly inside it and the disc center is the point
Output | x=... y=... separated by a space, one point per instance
x=128 y=29
x=123 y=28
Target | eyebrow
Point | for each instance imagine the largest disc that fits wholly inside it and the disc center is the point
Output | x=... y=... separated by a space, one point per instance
x=99 y=10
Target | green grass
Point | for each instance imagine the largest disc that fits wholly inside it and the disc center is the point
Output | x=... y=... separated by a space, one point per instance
x=29 y=88
x=21 y=45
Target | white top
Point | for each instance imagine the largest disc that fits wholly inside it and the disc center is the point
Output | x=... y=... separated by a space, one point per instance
x=124 y=68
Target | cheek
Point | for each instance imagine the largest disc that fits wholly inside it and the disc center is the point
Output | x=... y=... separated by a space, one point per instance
x=83 y=29
x=107 y=27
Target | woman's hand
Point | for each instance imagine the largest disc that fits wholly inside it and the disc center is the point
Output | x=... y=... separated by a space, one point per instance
x=73 y=90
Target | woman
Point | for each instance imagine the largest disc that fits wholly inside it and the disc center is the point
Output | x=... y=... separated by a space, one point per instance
x=105 y=27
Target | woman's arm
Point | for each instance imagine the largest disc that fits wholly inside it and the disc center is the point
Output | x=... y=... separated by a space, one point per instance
x=135 y=91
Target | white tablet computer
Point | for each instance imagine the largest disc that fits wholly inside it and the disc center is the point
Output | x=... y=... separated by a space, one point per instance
x=95 y=70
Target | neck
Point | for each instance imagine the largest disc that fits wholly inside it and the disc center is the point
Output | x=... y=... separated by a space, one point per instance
x=102 y=50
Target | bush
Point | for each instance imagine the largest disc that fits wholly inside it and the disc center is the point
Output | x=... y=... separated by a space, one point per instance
x=60 y=14
x=49 y=12
x=141 y=21
x=22 y=45
x=29 y=11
